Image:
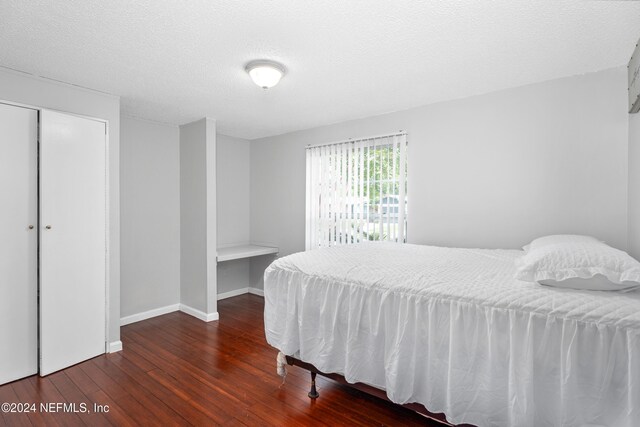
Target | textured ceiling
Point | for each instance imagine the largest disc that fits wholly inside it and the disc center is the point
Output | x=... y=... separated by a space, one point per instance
x=176 y=61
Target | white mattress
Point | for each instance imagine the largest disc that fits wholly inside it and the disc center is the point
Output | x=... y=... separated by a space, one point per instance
x=451 y=329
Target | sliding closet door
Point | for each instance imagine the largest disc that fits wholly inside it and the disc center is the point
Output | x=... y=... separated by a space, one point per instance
x=18 y=242
x=72 y=240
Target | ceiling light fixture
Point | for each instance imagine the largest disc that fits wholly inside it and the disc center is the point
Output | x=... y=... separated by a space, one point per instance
x=265 y=73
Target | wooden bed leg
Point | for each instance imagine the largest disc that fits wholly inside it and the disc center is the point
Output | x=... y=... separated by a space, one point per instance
x=313 y=394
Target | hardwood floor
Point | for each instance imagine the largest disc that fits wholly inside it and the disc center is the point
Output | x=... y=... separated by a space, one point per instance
x=177 y=370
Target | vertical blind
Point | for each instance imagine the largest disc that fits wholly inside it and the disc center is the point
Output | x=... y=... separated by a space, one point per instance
x=357 y=191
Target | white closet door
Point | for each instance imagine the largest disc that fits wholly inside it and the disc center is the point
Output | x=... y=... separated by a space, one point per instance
x=72 y=240
x=18 y=242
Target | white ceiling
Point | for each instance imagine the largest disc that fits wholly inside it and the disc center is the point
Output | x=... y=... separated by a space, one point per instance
x=176 y=61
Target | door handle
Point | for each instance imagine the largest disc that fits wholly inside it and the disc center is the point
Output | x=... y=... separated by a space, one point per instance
x=31 y=227
x=48 y=227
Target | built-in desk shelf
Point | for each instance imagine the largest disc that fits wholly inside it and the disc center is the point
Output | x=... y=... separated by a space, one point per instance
x=244 y=251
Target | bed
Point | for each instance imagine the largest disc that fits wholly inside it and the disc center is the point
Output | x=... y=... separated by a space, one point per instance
x=452 y=330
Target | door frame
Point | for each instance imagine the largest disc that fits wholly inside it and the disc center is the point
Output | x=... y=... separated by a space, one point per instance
x=107 y=205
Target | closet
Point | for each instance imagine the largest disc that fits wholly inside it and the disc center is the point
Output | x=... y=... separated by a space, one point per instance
x=52 y=240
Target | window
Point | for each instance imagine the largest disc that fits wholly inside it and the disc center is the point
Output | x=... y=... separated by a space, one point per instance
x=357 y=191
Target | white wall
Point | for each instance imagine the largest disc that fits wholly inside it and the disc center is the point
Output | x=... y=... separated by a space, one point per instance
x=490 y=171
x=198 y=217
x=150 y=216
x=233 y=206
x=26 y=89
x=634 y=185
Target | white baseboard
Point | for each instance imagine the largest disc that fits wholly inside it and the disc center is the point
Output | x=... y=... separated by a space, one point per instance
x=115 y=346
x=241 y=291
x=206 y=317
x=234 y=293
x=149 y=314
x=187 y=309
x=256 y=291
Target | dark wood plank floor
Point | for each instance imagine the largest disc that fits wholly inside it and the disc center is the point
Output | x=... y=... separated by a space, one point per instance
x=177 y=370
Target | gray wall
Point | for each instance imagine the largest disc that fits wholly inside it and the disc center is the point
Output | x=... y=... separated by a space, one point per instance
x=491 y=171
x=30 y=90
x=150 y=209
x=233 y=208
x=212 y=223
x=198 y=216
x=233 y=176
x=234 y=275
x=634 y=185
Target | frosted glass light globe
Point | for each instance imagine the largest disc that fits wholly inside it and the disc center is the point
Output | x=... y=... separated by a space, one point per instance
x=265 y=74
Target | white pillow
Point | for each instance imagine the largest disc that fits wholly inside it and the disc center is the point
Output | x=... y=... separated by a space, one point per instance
x=577 y=262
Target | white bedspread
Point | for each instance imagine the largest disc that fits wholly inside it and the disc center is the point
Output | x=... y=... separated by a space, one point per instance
x=451 y=329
